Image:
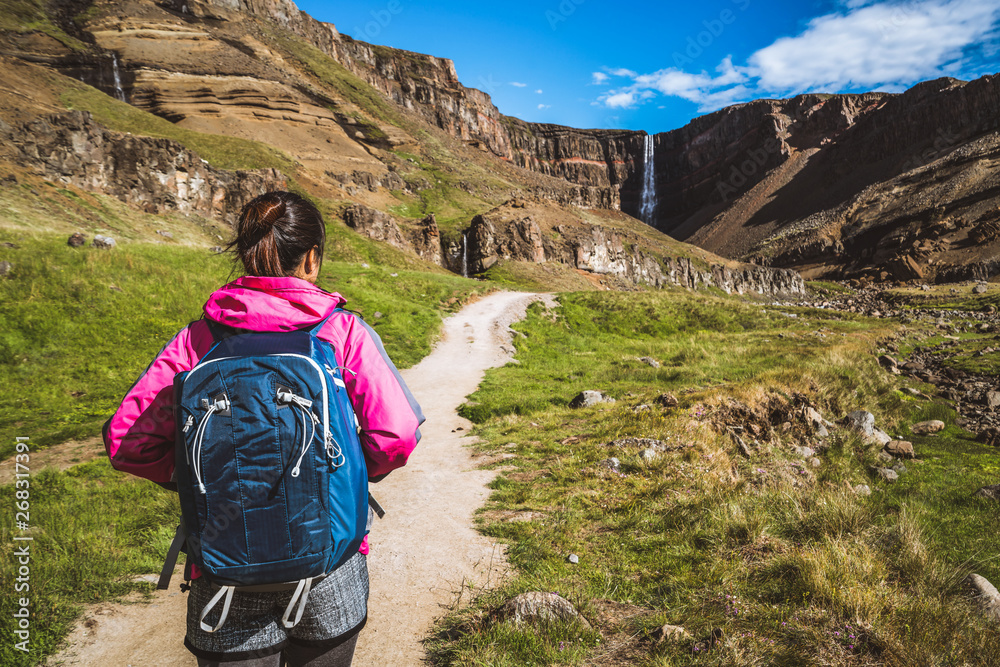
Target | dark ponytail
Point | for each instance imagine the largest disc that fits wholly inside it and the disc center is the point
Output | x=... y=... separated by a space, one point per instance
x=274 y=233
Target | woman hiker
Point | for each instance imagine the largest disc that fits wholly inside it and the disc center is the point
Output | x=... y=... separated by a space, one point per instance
x=279 y=242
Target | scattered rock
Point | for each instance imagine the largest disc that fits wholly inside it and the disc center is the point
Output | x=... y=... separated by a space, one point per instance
x=612 y=464
x=984 y=594
x=588 y=398
x=887 y=474
x=5 y=268
x=804 y=452
x=666 y=400
x=650 y=361
x=885 y=457
x=645 y=443
x=815 y=462
x=863 y=490
x=979 y=289
x=536 y=607
x=103 y=242
x=899 y=468
x=649 y=455
x=669 y=633
x=992 y=492
x=861 y=421
x=889 y=363
x=993 y=400
x=641 y=408
x=76 y=240
x=573 y=558
x=164 y=233
x=928 y=427
x=909 y=391
x=377 y=315
x=900 y=449
x=881 y=437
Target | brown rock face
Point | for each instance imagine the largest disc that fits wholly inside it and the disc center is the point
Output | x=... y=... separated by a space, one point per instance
x=155 y=175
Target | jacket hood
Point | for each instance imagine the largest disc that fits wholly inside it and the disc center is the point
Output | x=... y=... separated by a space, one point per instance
x=261 y=303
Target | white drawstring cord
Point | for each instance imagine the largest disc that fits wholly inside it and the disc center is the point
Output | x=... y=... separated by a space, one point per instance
x=220 y=405
x=303 y=404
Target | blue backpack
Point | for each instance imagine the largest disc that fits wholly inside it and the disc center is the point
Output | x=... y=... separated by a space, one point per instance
x=273 y=486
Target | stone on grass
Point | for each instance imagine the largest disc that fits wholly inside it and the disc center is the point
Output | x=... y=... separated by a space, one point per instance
x=76 y=240
x=992 y=492
x=103 y=242
x=861 y=421
x=881 y=437
x=985 y=595
x=5 y=268
x=899 y=468
x=979 y=289
x=815 y=462
x=573 y=559
x=901 y=449
x=885 y=457
x=889 y=363
x=650 y=361
x=612 y=464
x=537 y=607
x=887 y=474
x=928 y=427
x=669 y=633
x=863 y=490
x=648 y=455
x=804 y=452
x=666 y=400
x=588 y=398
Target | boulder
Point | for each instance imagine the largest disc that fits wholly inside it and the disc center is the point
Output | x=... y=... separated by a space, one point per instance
x=984 y=594
x=76 y=240
x=103 y=242
x=669 y=633
x=588 y=398
x=900 y=449
x=881 y=437
x=666 y=400
x=928 y=427
x=993 y=400
x=979 y=289
x=861 y=421
x=537 y=607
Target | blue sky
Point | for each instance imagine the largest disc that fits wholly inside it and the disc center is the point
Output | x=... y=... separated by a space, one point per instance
x=655 y=65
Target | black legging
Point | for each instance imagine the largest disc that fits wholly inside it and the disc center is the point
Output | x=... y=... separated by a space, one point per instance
x=297 y=656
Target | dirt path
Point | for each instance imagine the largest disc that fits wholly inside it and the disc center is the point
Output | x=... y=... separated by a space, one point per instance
x=423 y=552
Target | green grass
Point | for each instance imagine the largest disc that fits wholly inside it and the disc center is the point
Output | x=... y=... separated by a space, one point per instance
x=94 y=531
x=793 y=566
x=220 y=151
x=33 y=15
x=81 y=324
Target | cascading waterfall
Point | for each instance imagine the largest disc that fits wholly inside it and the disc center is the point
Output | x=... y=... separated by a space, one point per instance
x=119 y=91
x=648 y=181
x=465 y=254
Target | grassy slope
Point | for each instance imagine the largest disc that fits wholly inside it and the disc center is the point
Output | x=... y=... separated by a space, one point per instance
x=794 y=567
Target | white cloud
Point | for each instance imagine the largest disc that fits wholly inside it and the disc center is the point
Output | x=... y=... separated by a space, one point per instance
x=539 y=91
x=544 y=106
x=518 y=84
x=866 y=45
x=599 y=78
x=621 y=71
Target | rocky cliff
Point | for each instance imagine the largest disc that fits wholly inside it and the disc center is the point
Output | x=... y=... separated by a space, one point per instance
x=154 y=175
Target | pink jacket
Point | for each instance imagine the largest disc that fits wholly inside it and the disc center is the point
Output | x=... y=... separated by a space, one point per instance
x=139 y=437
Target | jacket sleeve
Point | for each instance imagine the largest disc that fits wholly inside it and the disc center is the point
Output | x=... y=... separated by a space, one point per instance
x=387 y=412
x=139 y=437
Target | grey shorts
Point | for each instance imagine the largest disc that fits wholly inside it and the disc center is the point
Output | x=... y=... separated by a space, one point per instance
x=336 y=610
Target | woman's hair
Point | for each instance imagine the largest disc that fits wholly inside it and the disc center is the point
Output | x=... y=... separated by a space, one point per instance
x=274 y=233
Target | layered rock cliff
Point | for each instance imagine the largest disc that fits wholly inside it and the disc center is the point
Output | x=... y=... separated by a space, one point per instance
x=154 y=175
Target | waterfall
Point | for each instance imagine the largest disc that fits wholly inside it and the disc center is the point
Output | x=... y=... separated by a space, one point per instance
x=465 y=254
x=648 y=181
x=119 y=92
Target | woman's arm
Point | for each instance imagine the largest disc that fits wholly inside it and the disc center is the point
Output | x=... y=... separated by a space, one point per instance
x=139 y=437
x=389 y=416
